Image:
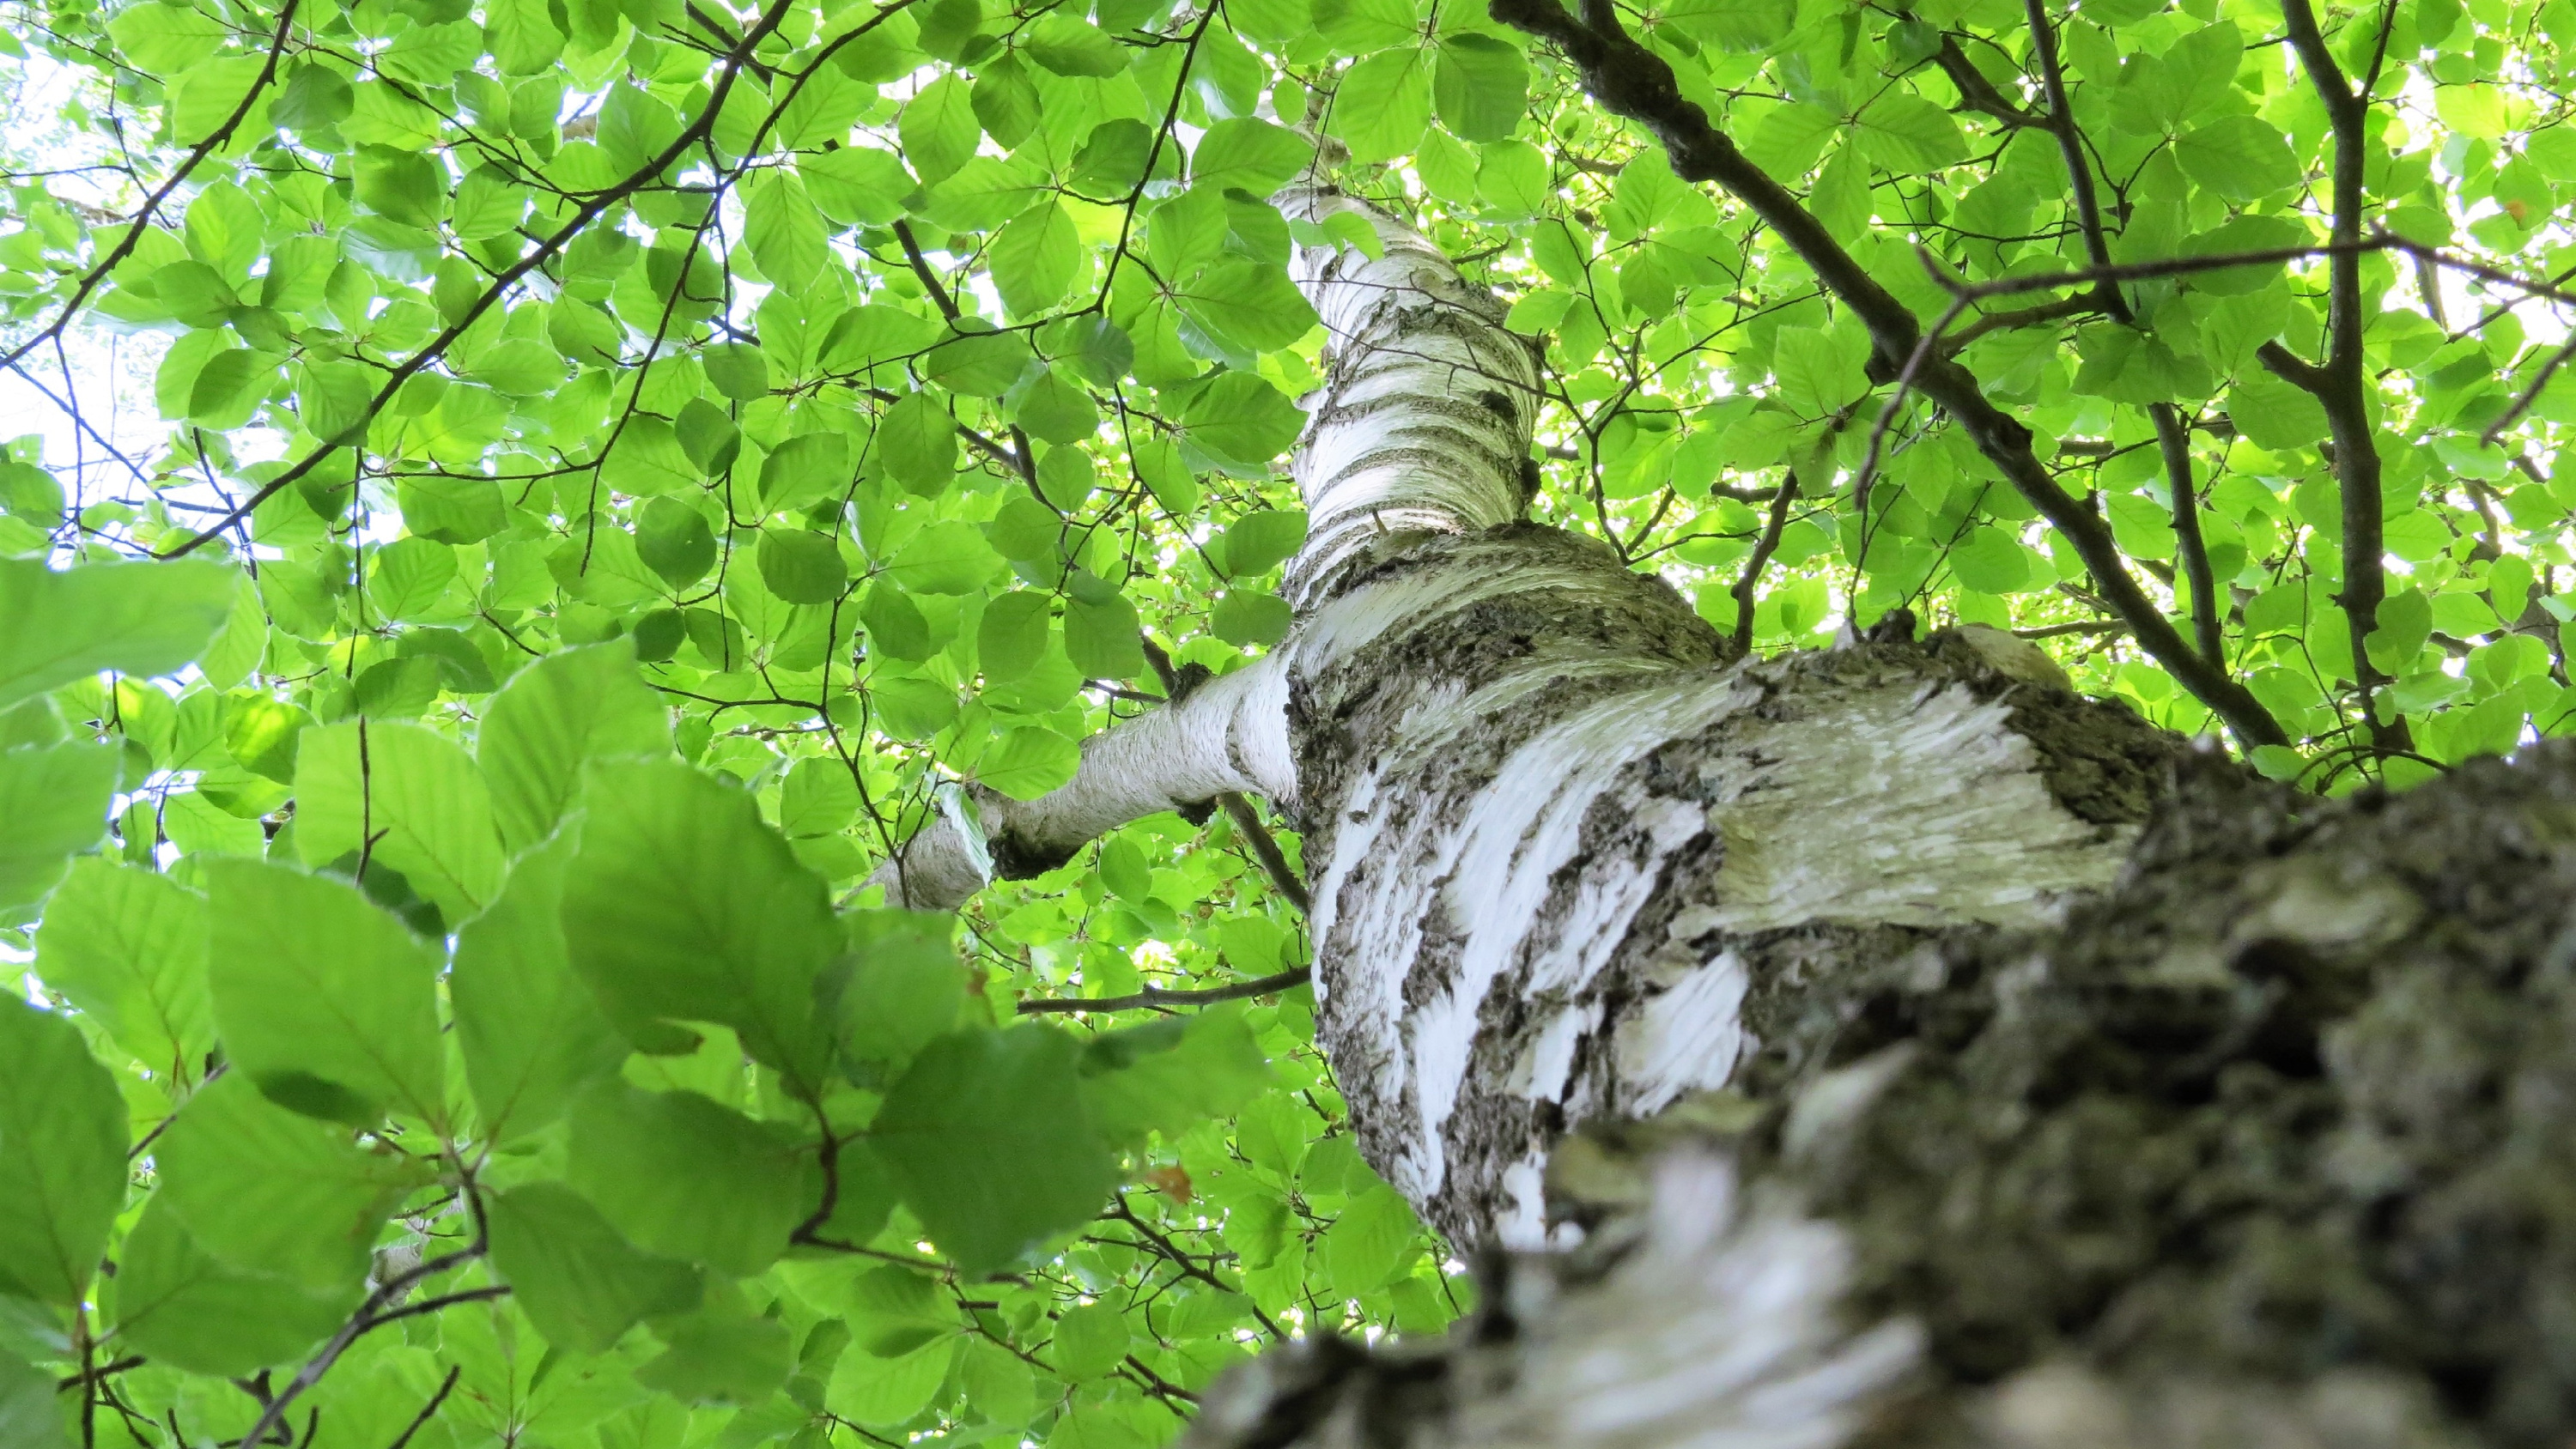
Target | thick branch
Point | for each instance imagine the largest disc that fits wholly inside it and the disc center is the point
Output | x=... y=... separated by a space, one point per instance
x=1632 y=81
x=1227 y=735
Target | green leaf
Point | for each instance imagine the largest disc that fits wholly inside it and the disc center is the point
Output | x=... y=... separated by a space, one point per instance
x=1249 y=155
x=939 y=129
x=1247 y=307
x=894 y=623
x=1172 y=1075
x=572 y=706
x=55 y=802
x=784 y=231
x=2242 y=158
x=166 y=38
x=684 y=905
x=858 y=185
x=1481 y=86
x=720 y=1358
x=576 y=1279
x=907 y=988
x=675 y=541
x=323 y=999
x=805 y=470
x=1034 y=257
x=1733 y=24
x=136 y=618
x=944 y=558
x=409 y=576
x=62 y=1156
x=183 y=1307
x=866 y=1389
x=802 y=567
x=1012 y=635
x=521 y=35
x=1991 y=561
x=31 y=1412
x=1089 y=1341
x=1383 y=104
x=918 y=441
x=1365 y=1246
x=1240 y=418
x=987 y=1137
x=529 y=1031
x=405 y=796
x=1071 y=47
x=1904 y=132
x=1028 y=761
x=1250 y=618
x=688 y=1177
x=1101 y=638
x=128 y=947
x=267 y=1190
x=1262 y=540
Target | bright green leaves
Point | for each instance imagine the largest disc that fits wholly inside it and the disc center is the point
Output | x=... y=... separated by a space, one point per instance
x=323 y=999
x=1248 y=155
x=406 y=797
x=1733 y=24
x=1170 y=1076
x=55 y=801
x=939 y=128
x=1904 y=132
x=138 y=618
x=30 y=1405
x=989 y=1140
x=2241 y=158
x=182 y=1306
x=580 y=1282
x=128 y=947
x=270 y=1191
x=785 y=231
x=1240 y=419
x=62 y=1156
x=529 y=1031
x=1028 y=761
x=1383 y=104
x=1034 y=258
x=801 y=567
x=682 y=906
x=918 y=441
x=1480 y=86
x=688 y=1177
x=573 y=706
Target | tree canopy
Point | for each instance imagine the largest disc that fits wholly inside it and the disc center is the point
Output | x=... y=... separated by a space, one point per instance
x=524 y=502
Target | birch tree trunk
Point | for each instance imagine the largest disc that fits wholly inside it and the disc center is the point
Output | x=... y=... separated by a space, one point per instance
x=1882 y=1045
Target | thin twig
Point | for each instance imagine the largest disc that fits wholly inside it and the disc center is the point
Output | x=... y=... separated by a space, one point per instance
x=429 y=1410
x=1155 y=997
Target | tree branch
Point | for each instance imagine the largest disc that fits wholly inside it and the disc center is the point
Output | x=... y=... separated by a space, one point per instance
x=1154 y=997
x=2173 y=440
x=2342 y=384
x=1763 y=548
x=1629 y=80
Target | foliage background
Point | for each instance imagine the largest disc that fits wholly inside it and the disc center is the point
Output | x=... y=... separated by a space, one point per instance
x=651 y=446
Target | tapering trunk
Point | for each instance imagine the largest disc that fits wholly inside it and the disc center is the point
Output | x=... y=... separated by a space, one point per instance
x=1922 y=1098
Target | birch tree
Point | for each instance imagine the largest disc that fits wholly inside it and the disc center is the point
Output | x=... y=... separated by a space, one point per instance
x=1741 y=723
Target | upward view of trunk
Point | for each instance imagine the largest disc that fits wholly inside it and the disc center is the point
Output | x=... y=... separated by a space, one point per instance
x=1882 y=1045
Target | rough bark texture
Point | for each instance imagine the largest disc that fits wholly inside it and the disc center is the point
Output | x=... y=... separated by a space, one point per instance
x=2267 y=1145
